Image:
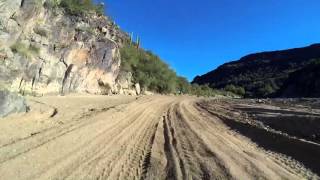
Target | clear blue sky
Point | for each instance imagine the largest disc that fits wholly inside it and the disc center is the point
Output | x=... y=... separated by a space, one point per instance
x=196 y=36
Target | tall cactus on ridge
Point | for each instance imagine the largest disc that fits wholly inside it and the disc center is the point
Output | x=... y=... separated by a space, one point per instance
x=131 y=38
x=138 y=42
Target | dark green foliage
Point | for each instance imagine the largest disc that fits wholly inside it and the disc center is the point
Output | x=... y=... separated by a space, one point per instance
x=80 y=7
x=303 y=83
x=265 y=90
x=153 y=74
x=315 y=62
x=235 y=89
x=207 y=91
x=148 y=70
x=183 y=86
x=51 y=4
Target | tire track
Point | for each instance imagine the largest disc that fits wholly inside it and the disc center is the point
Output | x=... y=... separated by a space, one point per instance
x=193 y=152
x=157 y=137
x=100 y=152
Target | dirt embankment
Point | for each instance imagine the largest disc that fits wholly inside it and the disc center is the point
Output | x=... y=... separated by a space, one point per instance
x=152 y=137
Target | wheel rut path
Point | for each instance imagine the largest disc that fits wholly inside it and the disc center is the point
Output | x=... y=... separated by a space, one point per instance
x=153 y=137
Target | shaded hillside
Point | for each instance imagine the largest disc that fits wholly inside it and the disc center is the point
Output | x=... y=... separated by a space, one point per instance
x=261 y=74
x=303 y=83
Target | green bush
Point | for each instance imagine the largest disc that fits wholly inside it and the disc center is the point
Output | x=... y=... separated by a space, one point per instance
x=235 y=89
x=80 y=7
x=266 y=90
x=316 y=62
x=183 y=86
x=205 y=90
x=148 y=70
x=51 y=4
x=153 y=74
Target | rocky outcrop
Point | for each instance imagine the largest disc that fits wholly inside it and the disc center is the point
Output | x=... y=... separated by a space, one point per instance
x=125 y=85
x=11 y=103
x=43 y=50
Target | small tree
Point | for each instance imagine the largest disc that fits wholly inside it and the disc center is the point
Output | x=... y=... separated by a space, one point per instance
x=235 y=89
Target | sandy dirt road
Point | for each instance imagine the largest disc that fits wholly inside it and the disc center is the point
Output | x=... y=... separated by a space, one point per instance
x=152 y=137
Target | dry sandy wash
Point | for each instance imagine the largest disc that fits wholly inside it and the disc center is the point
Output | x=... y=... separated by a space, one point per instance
x=151 y=137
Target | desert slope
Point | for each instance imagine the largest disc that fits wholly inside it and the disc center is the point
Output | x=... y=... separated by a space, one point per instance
x=151 y=137
x=266 y=74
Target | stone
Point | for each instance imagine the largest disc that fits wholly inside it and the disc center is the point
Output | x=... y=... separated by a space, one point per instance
x=137 y=88
x=11 y=103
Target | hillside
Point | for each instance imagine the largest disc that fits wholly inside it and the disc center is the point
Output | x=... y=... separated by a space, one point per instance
x=263 y=74
x=303 y=83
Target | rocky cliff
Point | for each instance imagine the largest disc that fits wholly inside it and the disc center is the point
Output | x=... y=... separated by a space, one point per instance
x=45 y=50
x=266 y=74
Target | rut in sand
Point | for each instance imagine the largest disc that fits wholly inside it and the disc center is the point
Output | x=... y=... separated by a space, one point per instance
x=154 y=137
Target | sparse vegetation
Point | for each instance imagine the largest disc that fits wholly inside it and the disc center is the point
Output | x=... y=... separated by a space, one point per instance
x=105 y=87
x=51 y=4
x=207 y=91
x=41 y=31
x=263 y=74
x=153 y=74
x=80 y=7
x=148 y=70
x=85 y=29
x=235 y=89
x=265 y=90
x=24 y=50
x=315 y=62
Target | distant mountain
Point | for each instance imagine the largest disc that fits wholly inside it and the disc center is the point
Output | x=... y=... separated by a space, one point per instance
x=270 y=74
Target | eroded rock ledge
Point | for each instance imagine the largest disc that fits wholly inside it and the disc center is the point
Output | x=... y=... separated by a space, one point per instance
x=44 y=50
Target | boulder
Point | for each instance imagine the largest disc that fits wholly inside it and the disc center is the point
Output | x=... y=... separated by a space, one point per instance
x=11 y=103
x=137 y=88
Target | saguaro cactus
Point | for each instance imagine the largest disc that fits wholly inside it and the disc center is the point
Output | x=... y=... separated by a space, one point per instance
x=131 y=38
x=138 y=42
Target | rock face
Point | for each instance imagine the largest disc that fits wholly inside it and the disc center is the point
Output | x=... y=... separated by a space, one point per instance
x=11 y=103
x=43 y=50
x=125 y=85
x=265 y=74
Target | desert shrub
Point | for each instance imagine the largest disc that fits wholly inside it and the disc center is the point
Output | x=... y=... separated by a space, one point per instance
x=205 y=90
x=265 y=90
x=89 y=30
x=78 y=7
x=235 y=89
x=51 y=4
x=315 y=62
x=24 y=50
x=104 y=87
x=153 y=74
x=183 y=86
x=41 y=31
x=148 y=70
